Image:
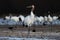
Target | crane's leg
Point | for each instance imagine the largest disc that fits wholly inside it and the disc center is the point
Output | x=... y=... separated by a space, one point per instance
x=28 y=35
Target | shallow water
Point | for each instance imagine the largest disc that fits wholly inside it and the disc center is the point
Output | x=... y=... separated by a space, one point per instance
x=12 y=38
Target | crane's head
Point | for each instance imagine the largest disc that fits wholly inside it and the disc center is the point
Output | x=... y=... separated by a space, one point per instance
x=32 y=6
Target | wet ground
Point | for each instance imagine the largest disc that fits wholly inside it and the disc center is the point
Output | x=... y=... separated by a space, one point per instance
x=12 y=38
x=47 y=32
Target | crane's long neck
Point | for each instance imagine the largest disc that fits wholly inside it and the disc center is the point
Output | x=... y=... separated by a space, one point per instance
x=32 y=13
x=32 y=9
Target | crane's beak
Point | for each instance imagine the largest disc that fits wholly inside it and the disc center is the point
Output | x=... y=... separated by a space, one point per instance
x=28 y=6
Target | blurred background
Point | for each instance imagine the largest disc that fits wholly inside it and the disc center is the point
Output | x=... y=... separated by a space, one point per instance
x=17 y=7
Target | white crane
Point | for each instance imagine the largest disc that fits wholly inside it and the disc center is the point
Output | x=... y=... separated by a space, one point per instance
x=15 y=18
x=45 y=18
x=7 y=17
x=29 y=20
x=55 y=17
x=50 y=18
x=40 y=19
x=21 y=17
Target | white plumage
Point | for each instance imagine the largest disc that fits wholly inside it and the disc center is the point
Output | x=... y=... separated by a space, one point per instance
x=29 y=20
x=22 y=17
x=50 y=18
x=45 y=18
x=15 y=18
x=40 y=19
x=7 y=17
x=55 y=17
